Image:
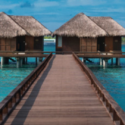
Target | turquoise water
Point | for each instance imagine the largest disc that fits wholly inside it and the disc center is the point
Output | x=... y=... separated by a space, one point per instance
x=10 y=76
x=112 y=78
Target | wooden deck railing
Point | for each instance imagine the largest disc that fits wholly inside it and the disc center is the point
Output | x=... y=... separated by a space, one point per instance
x=65 y=52
x=8 y=104
x=117 y=113
x=102 y=53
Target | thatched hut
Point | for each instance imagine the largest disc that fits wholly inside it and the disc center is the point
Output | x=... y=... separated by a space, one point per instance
x=36 y=31
x=21 y=33
x=9 y=30
x=113 y=41
x=82 y=33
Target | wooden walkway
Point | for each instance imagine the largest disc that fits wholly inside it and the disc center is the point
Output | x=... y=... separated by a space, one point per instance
x=62 y=95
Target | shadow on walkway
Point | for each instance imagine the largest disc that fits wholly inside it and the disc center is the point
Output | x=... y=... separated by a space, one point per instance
x=37 y=86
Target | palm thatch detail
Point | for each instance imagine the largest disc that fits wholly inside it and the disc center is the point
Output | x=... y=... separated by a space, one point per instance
x=84 y=26
x=109 y=25
x=31 y=25
x=80 y=26
x=8 y=28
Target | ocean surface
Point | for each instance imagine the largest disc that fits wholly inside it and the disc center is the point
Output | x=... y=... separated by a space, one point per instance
x=112 y=77
x=10 y=76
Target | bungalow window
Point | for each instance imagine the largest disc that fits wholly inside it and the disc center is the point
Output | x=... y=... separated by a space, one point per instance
x=59 y=41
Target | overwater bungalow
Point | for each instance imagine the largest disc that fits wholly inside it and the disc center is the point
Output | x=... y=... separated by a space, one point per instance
x=89 y=34
x=20 y=33
x=35 y=30
x=9 y=31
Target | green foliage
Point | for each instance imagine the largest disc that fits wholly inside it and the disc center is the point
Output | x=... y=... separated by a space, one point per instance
x=123 y=40
x=49 y=37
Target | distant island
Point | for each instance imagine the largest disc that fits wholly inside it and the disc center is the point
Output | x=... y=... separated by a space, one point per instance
x=49 y=37
x=49 y=40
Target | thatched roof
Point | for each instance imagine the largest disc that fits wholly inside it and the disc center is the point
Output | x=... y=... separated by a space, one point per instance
x=31 y=25
x=80 y=26
x=109 y=25
x=8 y=28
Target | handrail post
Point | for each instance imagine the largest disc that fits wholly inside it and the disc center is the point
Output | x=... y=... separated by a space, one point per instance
x=1 y=116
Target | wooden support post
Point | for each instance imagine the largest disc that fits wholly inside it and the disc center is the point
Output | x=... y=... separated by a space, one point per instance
x=23 y=61
x=111 y=61
x=1 y=116
x=4 y=60
x=118 y=61
x=40 y=59
x=101 y=61
x=9 y=106
x=36 y=61
x=105 y=63
x=13 y=101
x=83 y=60
x=26 y=60
x=19 y=62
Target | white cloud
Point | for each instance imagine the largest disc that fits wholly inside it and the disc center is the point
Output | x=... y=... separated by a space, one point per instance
x=85 y=2
x=8 y=6
x=45 y=3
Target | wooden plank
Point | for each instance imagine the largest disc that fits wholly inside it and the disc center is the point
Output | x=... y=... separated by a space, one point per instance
x=61 y=95
x=60 y=121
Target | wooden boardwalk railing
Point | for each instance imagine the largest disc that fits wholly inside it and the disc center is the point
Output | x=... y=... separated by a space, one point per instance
x=117 y=113
x=114 y=54
x=8 y=104
x=23 y=54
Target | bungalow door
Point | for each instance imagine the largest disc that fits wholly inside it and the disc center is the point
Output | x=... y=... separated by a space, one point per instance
x=88 y=44
x=117 y=44
x=20 y=43
x=38 y=43
x=108 y=44
x=83 y=44
x=101 y=44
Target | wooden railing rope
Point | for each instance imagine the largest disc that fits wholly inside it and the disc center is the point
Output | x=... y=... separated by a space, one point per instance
x=8 y=104
x=112 y=106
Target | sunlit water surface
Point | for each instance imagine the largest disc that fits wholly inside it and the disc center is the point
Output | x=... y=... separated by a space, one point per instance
x=112 y=78
x=10 y=76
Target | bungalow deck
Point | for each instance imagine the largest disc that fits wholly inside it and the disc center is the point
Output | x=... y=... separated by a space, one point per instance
x=62 y=94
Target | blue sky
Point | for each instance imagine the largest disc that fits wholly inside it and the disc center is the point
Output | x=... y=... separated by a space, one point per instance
x=54 y=13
